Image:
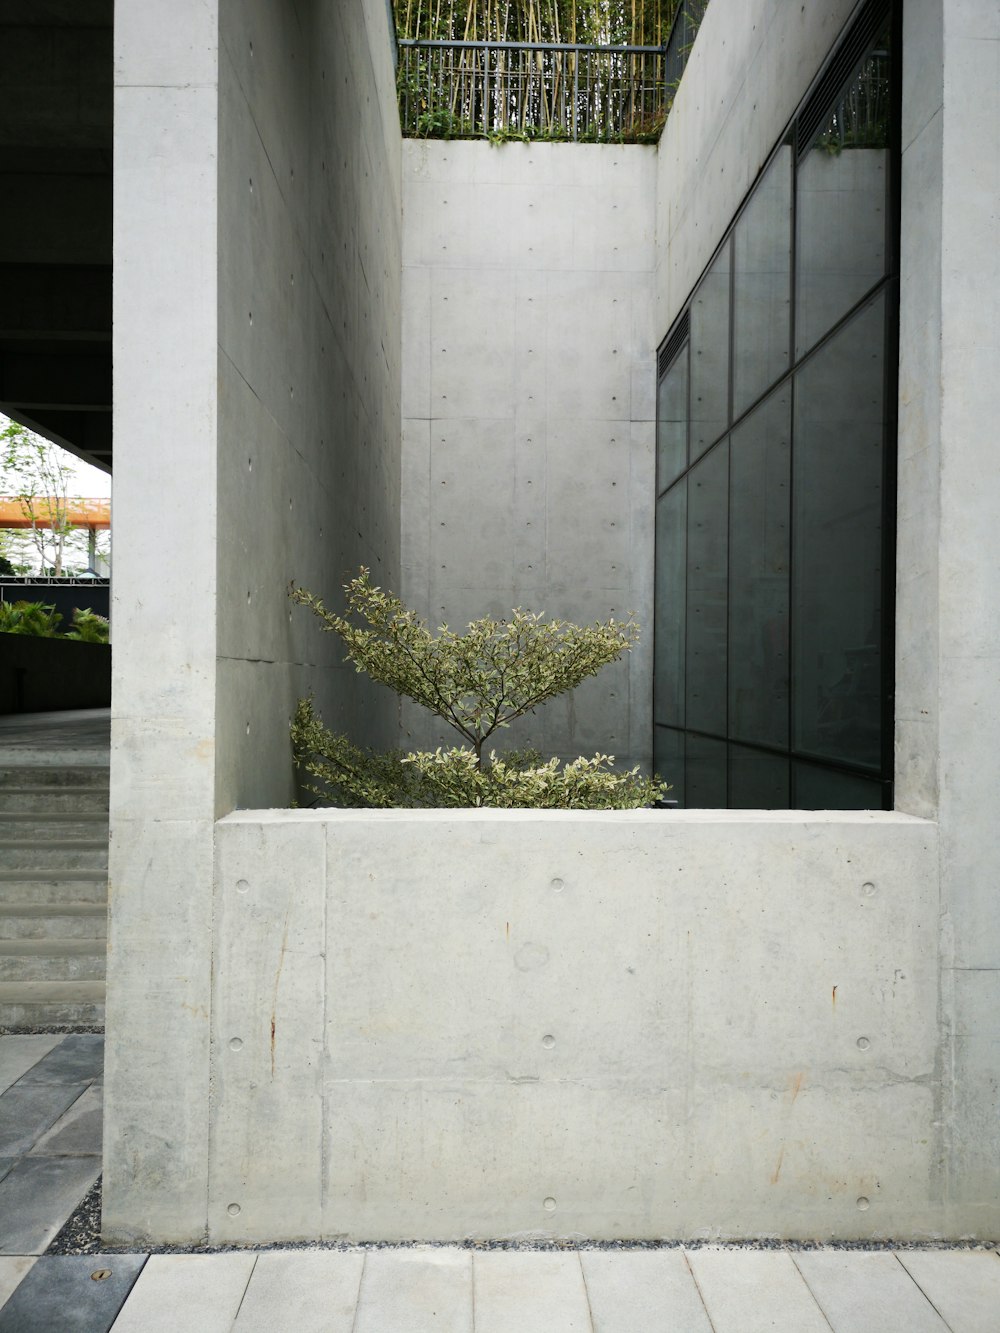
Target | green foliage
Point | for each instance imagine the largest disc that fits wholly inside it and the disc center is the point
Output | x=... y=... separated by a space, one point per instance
x=478 y=682
x=346 y=775
x=42 y=621
x=88 y=627
x=33 y=618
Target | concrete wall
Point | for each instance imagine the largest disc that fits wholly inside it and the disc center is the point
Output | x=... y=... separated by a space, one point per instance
x=528 y=406
x=493 y=1023
x=309 y=368
x=948 y=652
x=256 y=171
x=749 y=68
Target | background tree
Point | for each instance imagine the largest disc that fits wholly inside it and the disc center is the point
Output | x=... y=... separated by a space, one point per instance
x=40 y=476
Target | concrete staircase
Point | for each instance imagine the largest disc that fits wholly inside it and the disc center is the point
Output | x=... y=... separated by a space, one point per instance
x=53 y=894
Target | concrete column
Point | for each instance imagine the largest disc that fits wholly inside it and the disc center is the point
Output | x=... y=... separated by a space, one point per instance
x=163 y=731
x=948 y=663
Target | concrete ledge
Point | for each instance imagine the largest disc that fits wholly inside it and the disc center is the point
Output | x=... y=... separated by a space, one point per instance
x=440 y=1024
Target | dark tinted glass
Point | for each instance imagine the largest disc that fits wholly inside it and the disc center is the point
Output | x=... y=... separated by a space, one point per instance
x=671 y=582
x=762 y=284
x=757 y=781
x=668 y=761
x=706 y=774
x=759 y=499
x=841 y=199
x=708 y=487
x=710 y=356
x=837 y=564
x=671 y=421
x=824 y=789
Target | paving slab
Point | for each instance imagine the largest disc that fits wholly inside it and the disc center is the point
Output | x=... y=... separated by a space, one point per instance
x=7 y=1164
x=755 y=1291
x=859 y=1291
x=418 y=1290
x=308 y=1292
x=71 y=1294
x=77 y=1059
x=962 y=1285
x=651 y=1290
x=28 y=1110
x=13 y=1268
x=78 y=1130
x=524 y=1292
x=19 y=1053
x=36 y=1198
x=187 y=1293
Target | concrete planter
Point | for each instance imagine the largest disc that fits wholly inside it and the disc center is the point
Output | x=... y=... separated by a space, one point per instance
x=430 y=1025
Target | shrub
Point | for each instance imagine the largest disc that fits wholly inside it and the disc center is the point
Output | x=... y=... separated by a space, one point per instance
x=34 y=618
x=477 y=682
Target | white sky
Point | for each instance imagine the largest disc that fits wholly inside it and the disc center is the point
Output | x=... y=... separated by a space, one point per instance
x=90 y=482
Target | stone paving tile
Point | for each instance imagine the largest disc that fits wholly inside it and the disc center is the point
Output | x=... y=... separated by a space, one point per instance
x=418 y=1290
x=963 y=1285
x=61 y=1294
x=36 y=1198
x=7 y=1164
x=12 y=1270
x=518 y=1292
x=755 y=1291
x=28 y=1110
x=859 y=1292
x=78 y=1058
x=78 y=1131
x=188 y=1293
x=651 y=1290
x=19 y=1053
x=310 y=1292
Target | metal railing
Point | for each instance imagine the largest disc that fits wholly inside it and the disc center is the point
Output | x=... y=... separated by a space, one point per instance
x=546 y=90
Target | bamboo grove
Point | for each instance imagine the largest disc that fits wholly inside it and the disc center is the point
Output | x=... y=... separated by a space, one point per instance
x=585 y=70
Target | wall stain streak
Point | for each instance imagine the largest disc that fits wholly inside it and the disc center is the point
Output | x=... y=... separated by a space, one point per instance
x=277 y=979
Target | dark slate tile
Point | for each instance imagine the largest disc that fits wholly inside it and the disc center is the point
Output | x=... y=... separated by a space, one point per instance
x=5 y=1165
x=77 y=1131
x=77 y=1059
x=37 y=1197
x=28 y=1110
x=60 y=1293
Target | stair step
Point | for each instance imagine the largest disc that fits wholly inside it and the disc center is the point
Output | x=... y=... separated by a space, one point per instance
x=63 y=854
x=53 y=800
x=47 y=890
x=45 y=776
x=56 y=1003
x=25 y=825
x=53 y=960
x=46 y=921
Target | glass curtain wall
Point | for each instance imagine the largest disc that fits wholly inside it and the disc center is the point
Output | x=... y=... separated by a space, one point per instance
x=775 y=436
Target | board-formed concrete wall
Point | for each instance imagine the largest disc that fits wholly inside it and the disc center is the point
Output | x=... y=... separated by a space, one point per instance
x=444 y=1024
x=528 y=409
x=257 y=345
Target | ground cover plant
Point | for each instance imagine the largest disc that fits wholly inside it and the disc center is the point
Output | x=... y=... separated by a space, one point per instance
x=40 y=620
x=478 y=682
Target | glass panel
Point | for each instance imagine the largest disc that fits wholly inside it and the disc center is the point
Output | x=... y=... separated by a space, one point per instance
x=837 y=564
x=757 y=781
x=708 y=488
x=762 y=292
x=668 y=761
x=706 y=774
x=671 y=421
x=842 y=203
x=670 y=593
x=759 y=499
x=710 y=356
x=819 y=788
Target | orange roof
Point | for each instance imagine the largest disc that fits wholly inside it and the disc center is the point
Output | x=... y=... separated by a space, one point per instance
x=93 y=513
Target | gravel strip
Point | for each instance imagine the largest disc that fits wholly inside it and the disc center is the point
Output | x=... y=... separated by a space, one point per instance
x=81 y=1233
x=21 y=1030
